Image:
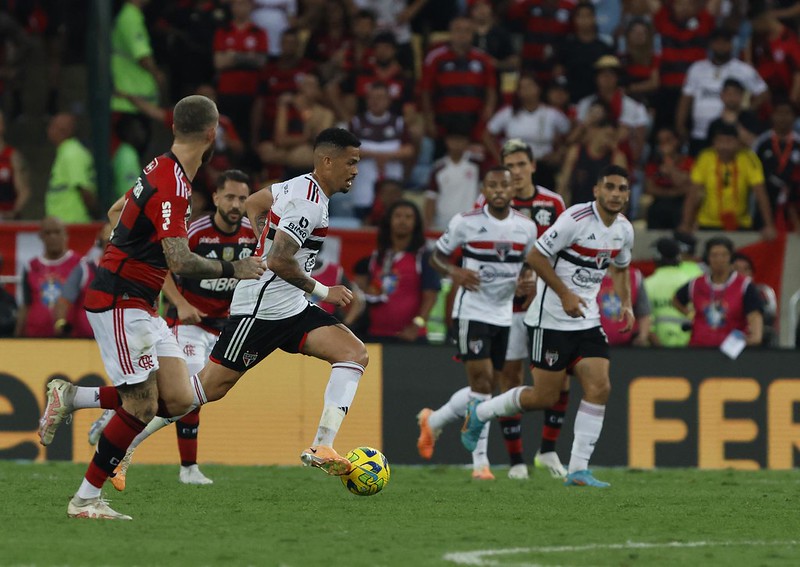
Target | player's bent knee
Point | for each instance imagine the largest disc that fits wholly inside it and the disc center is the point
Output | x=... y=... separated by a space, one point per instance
x=597 y=393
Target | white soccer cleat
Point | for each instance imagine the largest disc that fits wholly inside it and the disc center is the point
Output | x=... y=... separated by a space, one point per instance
x=60 y=395
x=98 y=425
x=192 y=475
x=518 y=472
x=551 y=462
x=93 y=508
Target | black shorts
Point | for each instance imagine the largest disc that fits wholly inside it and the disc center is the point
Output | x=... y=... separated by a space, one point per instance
x=477 y=341
x=245 y=341
x=559 y=350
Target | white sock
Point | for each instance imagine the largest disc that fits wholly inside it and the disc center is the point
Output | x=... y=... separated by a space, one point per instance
x=588 y=424
x=86 y=397
x=501 y=406
x=452 y=410
x=197 y=391
x=339 y=395
x=87 y=491
x=480 y=456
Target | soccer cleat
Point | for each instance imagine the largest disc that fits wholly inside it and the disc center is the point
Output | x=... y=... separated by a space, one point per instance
x=427 y=437
x=60 y=394
x=483 y=473
x=471 y=430
x=192 y=475
x=518 y=472
x=93 y=508
x=550 y=462
x=584 y=478
x=327 y=459
x=96 y=430
x=119 y=478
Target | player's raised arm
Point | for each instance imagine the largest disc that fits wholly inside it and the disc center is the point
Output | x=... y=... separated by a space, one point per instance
x=257 y=207
x=186 y=263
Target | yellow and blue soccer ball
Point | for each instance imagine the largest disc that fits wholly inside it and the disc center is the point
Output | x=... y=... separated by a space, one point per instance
x=370 y=472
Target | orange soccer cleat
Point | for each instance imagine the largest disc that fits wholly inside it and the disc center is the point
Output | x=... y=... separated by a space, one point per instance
x=327 y=459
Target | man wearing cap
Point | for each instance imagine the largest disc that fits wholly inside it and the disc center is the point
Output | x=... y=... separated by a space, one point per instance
x=668 y=323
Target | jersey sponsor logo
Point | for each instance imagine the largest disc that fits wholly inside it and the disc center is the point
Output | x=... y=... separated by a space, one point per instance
x=245 y=253
x=146 y=362
x=475 y=346
x=208 y=240
x=138 y=188
x=489 y=273
x=300 y=229
x=548 y=239
x=249 y=358
x=219 y=284
x=246 y=240
x=212 y=255
x=551 y=357
x=586 y=278
x=151 y=166
x=543 y=217
x=166 y=211
x=228 y=253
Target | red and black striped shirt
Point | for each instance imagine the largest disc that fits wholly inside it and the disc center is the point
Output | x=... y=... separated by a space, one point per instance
x=458 y=84
x=682 y=43
x=545 y=25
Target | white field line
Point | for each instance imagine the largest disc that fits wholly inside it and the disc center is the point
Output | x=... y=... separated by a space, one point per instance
x=483 y=557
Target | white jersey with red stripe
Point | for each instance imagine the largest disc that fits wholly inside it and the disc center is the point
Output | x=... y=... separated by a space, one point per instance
x=300 y=209
x=580 y=248
x=496 y=249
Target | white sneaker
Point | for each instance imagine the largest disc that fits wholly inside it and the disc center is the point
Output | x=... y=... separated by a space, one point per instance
x=518 y=472
x=60 y=395
x=551 y=462
x=93 y=508
x=192 y=475
x=96 y=430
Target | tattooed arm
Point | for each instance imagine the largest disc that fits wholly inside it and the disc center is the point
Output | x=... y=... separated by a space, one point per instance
x=257 y=207
x=184 y=262
x=281 y=260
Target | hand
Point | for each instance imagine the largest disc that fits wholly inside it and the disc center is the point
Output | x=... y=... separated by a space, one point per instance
x=526 y=284
x=409 y=333
x=626 y=315
x=339 y=295
x=572 y=303
x=769 y=233
x=250 y=268
x=468 y=279
x=640 y=341
x=188 y=314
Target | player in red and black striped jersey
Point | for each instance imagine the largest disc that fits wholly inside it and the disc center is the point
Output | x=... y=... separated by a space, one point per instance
x=140 y=354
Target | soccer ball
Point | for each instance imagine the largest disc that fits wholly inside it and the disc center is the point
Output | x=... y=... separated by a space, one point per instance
x=370 y=472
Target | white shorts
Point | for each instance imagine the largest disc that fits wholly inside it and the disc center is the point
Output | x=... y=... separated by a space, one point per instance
x=517 y=338
x=196 y=344
x=131 y=341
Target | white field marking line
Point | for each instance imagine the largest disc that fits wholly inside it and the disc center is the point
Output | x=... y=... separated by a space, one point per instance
x=481 y=557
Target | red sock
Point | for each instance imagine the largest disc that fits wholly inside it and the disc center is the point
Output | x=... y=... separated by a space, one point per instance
x=115 y=440
x=186 y=428
x=553 y=420
x=109 y=397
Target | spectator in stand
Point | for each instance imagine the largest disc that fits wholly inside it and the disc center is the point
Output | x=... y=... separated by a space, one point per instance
x=354 y=56
x=724 y=178
x=492 y=38
x=543 y=127
x=395 y=16
x=545 y=24
x=667 y=179
x=459 y=84
x=125 y=161
x=774 y=52
x=240 y=51
x=401 y=286
x=281 y=75
x=703 y=86
x=8 y=311
x=14 y=51
x=300 y=117
x=779 y=152
x=669 y=326
x=274 y=17
x=684 y=28
x=723 y=300
x=330 y=273
x=640 y=63
x=42 y=281
x=330 y=33
x=611 y=312
x=71 y=193
x=558 y=97
x=387 y=192
x=745 y=121
x=579 y=52
x=14 y=188
x=455 y=180
x=384 y=146
x=743 y=265
x=133 y=68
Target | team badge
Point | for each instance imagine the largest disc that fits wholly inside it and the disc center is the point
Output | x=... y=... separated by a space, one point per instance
x=249 y=357
x=228 y=253
x=551 y=357
x=603 y=258
x=476 y=346
x=502 y=249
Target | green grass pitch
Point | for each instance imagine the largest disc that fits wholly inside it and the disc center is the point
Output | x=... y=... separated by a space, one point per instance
x=292 y=516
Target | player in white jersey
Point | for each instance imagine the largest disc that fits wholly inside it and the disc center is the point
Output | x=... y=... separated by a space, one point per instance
x=275 y=313
x=494 y=242
x=571 y=258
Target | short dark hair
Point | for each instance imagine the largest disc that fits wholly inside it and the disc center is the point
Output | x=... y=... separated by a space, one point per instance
x=338 y=138
x=731 y=82
x=194 y=114
x=725 y=129
x=612 y=170
x=745 y=258
x=364 y=13
x=718 y=241
x=780 y=99
x=496 y=169
x=236 y=175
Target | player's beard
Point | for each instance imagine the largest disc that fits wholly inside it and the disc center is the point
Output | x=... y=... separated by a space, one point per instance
x=226 y=216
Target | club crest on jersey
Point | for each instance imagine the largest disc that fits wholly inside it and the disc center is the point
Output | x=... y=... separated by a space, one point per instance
x=544 y=217
x=551 y=357
x=603 y=258
x=228 y=253
x=249 y=358
x=476 y=346
x=502 y=249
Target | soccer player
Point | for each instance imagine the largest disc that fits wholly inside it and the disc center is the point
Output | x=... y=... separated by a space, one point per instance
x=200 y=308
x=571 y=258
x=494 y=242
x=140 y=354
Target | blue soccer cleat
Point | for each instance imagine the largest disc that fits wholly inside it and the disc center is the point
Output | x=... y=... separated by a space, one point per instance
x=584 y=478
x=471 y=431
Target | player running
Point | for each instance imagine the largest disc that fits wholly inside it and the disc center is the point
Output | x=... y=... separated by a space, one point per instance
x=571 y=258
x=140 y=354
x=494 y=242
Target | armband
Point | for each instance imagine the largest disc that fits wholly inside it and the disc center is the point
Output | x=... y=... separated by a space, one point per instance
x=320 y=292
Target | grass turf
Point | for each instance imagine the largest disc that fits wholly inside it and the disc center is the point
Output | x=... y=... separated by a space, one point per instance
x=426 y=516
